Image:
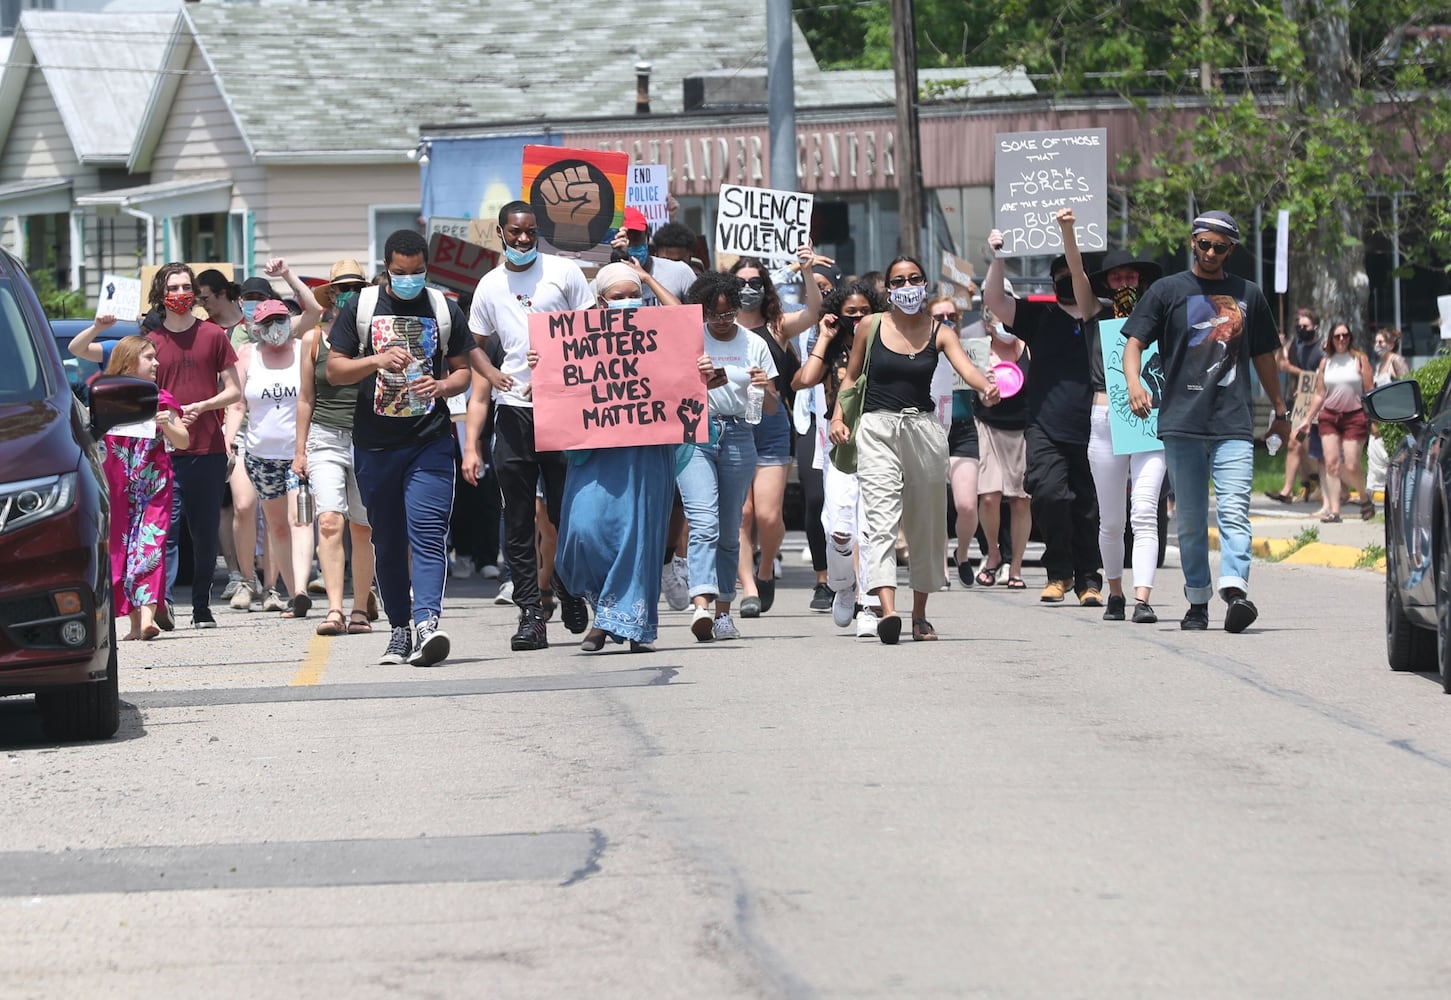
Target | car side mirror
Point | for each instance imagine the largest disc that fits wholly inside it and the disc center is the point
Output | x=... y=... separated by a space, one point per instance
x=121 y=399
x=1395 y=402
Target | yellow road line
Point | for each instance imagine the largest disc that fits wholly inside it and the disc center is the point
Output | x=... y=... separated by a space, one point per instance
x=314 y=662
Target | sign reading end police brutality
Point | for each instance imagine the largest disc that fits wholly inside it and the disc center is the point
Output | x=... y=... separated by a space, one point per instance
x=1036 y=174
x=609 y=378
x=762 y=222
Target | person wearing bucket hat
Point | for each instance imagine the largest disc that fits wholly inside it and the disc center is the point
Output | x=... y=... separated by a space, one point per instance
x=1211 y=326
x=345 y=280
x=1128 y=486
x=632 y=242
x=1060 y=402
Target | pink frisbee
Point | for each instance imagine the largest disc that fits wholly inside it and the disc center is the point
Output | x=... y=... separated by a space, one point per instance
x=1009 y=378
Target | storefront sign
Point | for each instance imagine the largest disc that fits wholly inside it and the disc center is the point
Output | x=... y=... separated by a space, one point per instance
x=608 y=378
x=1038 y=173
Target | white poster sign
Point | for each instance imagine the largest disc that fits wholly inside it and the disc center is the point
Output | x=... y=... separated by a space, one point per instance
x=649 y=191
x=762 y=222
x=120 y=297
x=1282 y=251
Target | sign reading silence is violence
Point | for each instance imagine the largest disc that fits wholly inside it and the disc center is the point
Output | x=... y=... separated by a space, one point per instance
x=609 y=378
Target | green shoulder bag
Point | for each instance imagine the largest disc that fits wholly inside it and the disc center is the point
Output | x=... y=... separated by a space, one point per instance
x=844 y=456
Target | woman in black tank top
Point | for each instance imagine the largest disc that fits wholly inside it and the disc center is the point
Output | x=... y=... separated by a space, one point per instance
x=902 y=449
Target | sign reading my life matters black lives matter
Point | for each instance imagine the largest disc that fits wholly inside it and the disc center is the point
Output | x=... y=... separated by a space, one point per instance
x=609 y=378
x=762 y=222
x=1038 y=173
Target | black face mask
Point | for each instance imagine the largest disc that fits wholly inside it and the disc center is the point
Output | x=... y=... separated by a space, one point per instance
x=848 y=324
x=1063 y=288
x=1305 y=335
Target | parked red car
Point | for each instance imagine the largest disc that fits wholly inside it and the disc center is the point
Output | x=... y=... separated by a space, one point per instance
x=56 y=613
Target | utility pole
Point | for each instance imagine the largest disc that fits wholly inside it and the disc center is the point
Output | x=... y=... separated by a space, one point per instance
x=780 y=95
x=909 y=144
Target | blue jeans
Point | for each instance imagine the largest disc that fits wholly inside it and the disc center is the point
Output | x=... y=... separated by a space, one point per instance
x=713 y=488
x=409 y=496
x=198 y=485
x=1193 y=462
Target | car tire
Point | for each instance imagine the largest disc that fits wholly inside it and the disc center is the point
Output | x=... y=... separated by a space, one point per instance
x=1408 y=646
x=84 y=711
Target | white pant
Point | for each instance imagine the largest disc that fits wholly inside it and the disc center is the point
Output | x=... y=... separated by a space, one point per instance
x=842 y=518
x=1111 y=474
x=1376 y=461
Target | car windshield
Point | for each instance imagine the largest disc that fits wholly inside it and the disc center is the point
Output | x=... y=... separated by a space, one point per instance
x=22 y=372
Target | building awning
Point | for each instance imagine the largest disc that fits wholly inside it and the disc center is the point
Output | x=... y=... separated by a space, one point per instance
x=188 y=196
x=36 y=197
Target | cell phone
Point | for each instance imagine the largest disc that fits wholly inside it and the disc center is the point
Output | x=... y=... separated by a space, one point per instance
x=718 y=373
x=1301 y=435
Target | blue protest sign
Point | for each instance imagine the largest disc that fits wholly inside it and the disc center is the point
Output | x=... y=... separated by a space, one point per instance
x=1131 y=434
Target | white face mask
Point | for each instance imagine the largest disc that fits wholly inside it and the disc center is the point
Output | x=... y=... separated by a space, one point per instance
x=275 y=332
x=909 y=298
x=1003 y=336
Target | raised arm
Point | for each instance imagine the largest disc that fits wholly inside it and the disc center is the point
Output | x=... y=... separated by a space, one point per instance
x=994 y=295
x=311 y=310
x=83 y=345
x=1083 y=296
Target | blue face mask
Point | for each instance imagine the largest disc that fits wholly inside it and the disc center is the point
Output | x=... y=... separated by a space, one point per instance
x=625 y=304
x=249 y=306
x=520 y=258
x=406 y=286
x=640 y=254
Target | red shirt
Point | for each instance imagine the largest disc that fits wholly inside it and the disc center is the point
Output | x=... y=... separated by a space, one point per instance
x=188 y=365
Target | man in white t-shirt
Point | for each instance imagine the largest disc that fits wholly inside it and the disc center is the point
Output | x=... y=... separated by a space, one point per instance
x=528 y=282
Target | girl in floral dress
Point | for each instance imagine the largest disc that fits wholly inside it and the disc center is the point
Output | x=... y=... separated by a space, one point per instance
x=138 y=473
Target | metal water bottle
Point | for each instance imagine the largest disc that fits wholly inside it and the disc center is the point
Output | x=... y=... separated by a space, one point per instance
x=306 y=505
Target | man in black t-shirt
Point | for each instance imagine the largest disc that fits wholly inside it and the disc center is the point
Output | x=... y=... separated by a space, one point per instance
x=1060 y=404
x=412 y=353
x=1210 y=326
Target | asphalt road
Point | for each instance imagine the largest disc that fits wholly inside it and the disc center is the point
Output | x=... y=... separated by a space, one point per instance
x=1041 y=804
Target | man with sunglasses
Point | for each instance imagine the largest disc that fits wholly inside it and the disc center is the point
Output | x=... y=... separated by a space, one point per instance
x=1210 y=326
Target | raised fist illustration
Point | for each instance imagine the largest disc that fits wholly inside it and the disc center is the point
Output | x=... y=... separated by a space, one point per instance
x=572 y=200
x=690 y=411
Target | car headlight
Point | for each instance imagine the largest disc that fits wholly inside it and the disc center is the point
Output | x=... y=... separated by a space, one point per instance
x=34 y=500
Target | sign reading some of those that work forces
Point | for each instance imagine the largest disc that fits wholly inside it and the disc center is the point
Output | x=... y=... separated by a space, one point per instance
x=608 y=378
x=762 y=222
x=1036 y=174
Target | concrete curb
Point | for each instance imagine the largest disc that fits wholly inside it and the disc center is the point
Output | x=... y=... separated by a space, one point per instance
x=1311 y=554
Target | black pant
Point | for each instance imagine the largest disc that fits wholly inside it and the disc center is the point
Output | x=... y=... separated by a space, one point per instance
x=198 y=482
x=1065 y=509
x=519 y=468
x=813 y=496
x=474 y=525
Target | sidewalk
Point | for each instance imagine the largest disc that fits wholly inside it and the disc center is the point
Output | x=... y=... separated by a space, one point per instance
x=1277 y=526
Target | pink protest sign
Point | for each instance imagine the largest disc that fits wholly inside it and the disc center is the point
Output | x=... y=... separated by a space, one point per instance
x=608 y=378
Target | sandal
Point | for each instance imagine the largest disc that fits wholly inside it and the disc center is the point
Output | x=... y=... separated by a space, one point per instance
x=988 y=575
x=922 y=631
x=1016 y=583
x=547 y=603
x=1367 y=510
x=330 y=627
x=301 y=605
x=358 y=623
x=1279 y=497
x=1330 y=519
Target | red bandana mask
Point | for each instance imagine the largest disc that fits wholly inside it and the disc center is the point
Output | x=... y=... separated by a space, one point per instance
x=180 y=302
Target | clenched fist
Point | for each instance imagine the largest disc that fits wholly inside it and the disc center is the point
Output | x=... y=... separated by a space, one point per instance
x=571 y=201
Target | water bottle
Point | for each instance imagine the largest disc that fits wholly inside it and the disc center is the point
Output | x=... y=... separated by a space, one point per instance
x=755 y=403
x=412 y=374
x=305 y=503
x=1272 y=444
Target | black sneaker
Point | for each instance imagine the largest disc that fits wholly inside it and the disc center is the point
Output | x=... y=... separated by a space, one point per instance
x=964 y=572
x=532 y=632
x=399 y=646
x=202 y=618
x=1196 y=619
x=1114 y=612
x=821 y=598
x=432 y=643
x=767 y=590
x=165 y=616
x=1241 y=613
x=572 y=610
x=1144 y=614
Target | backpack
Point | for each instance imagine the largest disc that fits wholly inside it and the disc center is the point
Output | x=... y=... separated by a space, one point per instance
x=368 y=304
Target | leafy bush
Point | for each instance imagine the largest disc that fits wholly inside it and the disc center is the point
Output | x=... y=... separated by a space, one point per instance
x=1431 y=375
x=58 y=303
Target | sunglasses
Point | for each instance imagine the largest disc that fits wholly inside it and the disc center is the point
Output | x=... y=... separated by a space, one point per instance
x=910 y=279
x=1209 y=246
x=945 y=317
x=757 y=282
x=721 y=317
x=1340 y=336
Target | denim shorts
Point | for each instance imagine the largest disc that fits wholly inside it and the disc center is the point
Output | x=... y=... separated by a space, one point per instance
x=773 y=438
x=272 y=478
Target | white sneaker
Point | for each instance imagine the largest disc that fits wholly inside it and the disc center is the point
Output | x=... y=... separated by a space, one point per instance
x=677 y=590
x=461 y=567
x=702 y=624
x=866 y=624
x=272 y=600
x=806 y=556
x=506 y=593
x=776 y=568
x=490 y=572
x=243 y=596
x=725 y=628
x=233 y=582
x=843 y=606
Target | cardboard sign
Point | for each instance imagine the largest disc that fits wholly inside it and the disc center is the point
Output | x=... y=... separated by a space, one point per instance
x=979 y=351
x=121 y=297
x=459 y=229
x=649 y=191
x=578 y=197
x=1036 y=174
x=1131 y=433
x=1304 y=393
x=457 y=264
x=762 y=222
x=957 y=271
x=610 y=378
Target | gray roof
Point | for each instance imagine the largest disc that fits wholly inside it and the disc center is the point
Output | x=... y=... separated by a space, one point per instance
x=360 y=77
x=100 y=70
